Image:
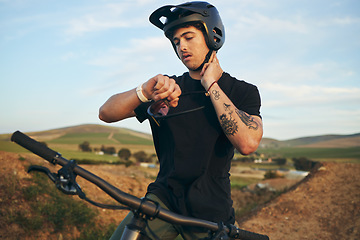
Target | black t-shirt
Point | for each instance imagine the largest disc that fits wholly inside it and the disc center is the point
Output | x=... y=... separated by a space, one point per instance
x=195 y=154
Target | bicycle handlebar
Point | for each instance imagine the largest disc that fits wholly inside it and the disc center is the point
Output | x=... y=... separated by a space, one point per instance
x=34 y=146
x=147 y=207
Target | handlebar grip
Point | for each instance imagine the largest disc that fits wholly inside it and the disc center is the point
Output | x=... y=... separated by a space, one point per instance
x=34 y=146
x=243 y=234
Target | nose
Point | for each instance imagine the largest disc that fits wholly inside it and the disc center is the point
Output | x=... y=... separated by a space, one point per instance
x=182 y=45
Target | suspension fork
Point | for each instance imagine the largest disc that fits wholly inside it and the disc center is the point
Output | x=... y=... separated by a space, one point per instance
x=135 y=230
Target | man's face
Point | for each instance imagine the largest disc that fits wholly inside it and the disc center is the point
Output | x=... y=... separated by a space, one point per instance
x=190 y=46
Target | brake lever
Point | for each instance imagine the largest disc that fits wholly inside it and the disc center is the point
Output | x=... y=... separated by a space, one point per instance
x=53 y=177
x=64 y=180
x=221 y=233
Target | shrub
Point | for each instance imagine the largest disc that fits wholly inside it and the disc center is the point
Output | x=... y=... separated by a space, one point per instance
x=85 y=146
x=303 y=164
x=124 y=153
x=279 y=161
x=50 y=207
x=272 y=174
x=140 y=156
x=108 y=150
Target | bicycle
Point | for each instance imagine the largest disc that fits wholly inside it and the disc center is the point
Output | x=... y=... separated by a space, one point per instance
x=143 y=209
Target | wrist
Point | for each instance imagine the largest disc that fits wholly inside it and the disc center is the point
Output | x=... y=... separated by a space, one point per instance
x=140 y=94
x=211 y=85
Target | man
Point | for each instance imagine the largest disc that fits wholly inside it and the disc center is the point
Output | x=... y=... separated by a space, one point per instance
x=195 y=148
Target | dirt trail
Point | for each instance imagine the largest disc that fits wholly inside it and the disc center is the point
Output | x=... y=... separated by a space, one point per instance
x=325 y=205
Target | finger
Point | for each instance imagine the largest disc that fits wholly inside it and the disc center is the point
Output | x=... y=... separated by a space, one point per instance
x=164 y=88
x=175 y=96
x=160 y=82
x=212 y=57
x=150 y=86
x=215 y=60
x=174 y=102
x=176 y=92
x=204 y=69
x=167 y=89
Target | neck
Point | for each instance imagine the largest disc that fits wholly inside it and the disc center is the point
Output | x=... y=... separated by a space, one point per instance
x=195 y=74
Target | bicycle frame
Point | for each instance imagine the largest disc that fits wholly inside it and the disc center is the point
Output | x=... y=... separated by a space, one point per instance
x=142 y=208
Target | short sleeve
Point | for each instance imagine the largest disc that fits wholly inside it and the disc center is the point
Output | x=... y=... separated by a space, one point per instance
x=252 y=101
x=141 y=112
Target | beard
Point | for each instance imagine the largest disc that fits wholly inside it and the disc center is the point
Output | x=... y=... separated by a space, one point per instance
x=198 y=66
x=194 y=68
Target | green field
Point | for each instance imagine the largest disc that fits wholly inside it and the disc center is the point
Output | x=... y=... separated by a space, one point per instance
x=351 y=154
x=101 y=138
x=66 y=141
x=68 y=145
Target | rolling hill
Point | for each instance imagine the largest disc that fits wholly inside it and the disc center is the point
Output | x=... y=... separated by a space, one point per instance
x=99 y=133
x=110 y=134
x=323 y=141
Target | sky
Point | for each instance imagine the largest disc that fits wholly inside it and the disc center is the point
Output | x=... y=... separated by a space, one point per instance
x=61 y=60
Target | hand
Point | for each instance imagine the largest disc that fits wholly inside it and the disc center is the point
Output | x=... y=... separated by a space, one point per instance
x=211 y=71
x=162 y=87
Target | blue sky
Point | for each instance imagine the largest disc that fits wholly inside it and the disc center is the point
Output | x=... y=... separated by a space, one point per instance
x=61 y=60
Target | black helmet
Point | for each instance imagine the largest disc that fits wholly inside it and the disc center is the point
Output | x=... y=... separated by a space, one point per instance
x=191 y=12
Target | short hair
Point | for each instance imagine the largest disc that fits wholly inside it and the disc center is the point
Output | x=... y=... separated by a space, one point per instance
x=197 y=25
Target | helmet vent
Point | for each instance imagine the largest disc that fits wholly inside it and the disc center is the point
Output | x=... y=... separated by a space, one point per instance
x=163 y=19
x=218 y=32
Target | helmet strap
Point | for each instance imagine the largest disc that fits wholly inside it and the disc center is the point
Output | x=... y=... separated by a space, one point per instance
x=206 y=60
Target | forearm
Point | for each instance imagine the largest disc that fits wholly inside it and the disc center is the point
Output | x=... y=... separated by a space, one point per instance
x=122 y=105
x=243 y=130
x=119 y=106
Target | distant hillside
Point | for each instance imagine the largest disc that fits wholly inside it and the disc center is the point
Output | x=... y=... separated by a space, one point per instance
x=96 y=134
x=323 y=141
x=116 y=134
x=86 y=128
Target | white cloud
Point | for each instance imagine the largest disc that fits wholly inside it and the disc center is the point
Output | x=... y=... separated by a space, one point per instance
x=288 y=70
x=143 y=50
x=281 y=95
x=257 y=22
x=137 y=61
x=91 y=23
x=108 y=16
x=340 y=21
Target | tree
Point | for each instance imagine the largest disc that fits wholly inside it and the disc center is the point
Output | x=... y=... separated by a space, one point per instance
x=85 y=146
x=140 y=156
x=124 y=153
x=279 y=161
x=108 y=150
x=303 y=164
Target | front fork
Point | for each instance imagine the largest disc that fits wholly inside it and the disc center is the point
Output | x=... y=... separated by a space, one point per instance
x=135 y=230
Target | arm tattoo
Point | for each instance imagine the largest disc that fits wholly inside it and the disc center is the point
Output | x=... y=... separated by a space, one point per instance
x=247 y=119
x=228 y=124
x=216 y=94
x=227 y=107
